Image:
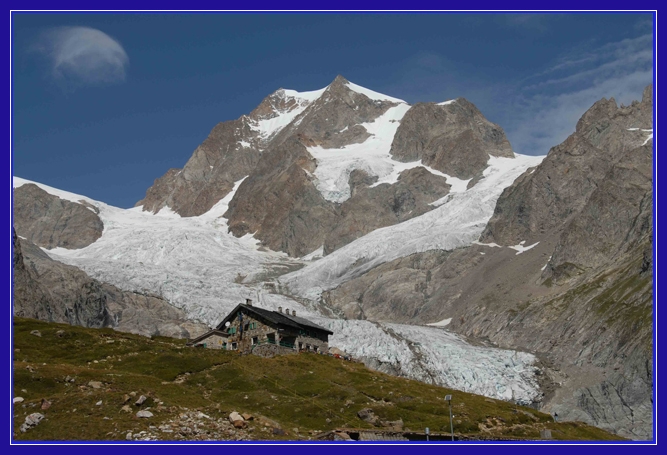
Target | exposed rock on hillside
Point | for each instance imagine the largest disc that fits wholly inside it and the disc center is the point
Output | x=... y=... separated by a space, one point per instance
x=452 y=137
x=49 y=290
x=559 y=188
x=51 y=222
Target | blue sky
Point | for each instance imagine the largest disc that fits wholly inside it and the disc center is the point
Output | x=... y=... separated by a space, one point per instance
x=103 y=104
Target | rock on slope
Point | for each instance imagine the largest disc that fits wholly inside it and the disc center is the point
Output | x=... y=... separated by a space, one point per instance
x=328 y=166
x=49 y=290
x=50 y=221
x=563 y=269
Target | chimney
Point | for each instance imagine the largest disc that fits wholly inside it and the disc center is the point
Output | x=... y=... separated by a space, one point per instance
x=280 y=309
x=293 y=312
x=248 y=302
x=287 y=311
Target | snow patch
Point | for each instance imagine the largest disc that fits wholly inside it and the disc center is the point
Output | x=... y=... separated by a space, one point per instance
x=306 y=96
x=268 y=128
x=334 y=166
x=218 y=210
x=490 y=245
x=521 y=249
x=443 y=323
x=66 y=195
x=445 y=103
x=371 y=94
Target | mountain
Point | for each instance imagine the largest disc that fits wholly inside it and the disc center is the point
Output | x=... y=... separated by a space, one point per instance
x=414 y=233
x=326 y=167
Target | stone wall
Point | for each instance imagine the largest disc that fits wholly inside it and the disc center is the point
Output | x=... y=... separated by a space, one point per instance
x=213 y=341
x=244 y=340
x=316 y=343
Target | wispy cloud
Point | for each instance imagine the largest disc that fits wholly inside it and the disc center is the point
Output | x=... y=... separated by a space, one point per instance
x=548 y=107
x=82 y=55
x=539 y=110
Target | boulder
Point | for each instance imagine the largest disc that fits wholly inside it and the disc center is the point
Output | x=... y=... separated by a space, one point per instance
x=17 y=400
x=31 y=421
x=45 y=404
x=141 y=400
x=235 y=417
x=239 y=424
x=342 y=436
x=37 y=333
x=367 y=415
x=95 y=384
x=144 y=414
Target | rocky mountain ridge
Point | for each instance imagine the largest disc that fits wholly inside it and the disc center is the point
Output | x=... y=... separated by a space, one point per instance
x=326 y=167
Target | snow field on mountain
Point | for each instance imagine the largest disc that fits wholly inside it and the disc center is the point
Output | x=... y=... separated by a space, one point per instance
x=458 y=222
x=334 y=166
x=268 y=128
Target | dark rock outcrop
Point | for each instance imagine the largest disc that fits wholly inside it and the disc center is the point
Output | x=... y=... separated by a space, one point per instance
x=454 y=138
x=227 y=155
x=51 y=222
x=279 y=203
x=560 y=187
x=371 y=208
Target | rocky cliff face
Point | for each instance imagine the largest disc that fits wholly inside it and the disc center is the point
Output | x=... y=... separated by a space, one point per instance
x=559 y=188
x=563 y=269
x=51 y=222
x=327 y=167
x=51 y=291
x=452 y=137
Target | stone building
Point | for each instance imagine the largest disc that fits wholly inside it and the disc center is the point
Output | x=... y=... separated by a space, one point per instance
x=248 y=328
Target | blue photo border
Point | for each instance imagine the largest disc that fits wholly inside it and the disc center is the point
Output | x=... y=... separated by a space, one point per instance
x=302 y=6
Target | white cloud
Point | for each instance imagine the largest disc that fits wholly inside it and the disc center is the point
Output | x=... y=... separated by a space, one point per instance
x=83 y=55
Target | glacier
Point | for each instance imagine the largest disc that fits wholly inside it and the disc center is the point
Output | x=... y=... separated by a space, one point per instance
x=196 y=265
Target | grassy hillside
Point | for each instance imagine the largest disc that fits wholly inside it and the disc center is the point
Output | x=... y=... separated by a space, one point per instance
x=191 y=392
